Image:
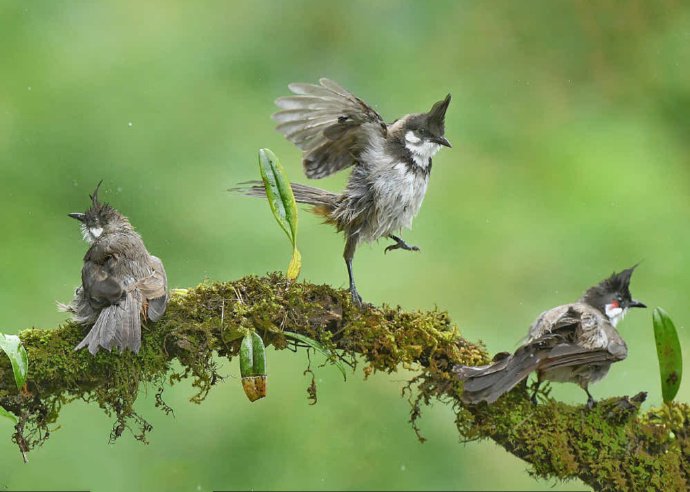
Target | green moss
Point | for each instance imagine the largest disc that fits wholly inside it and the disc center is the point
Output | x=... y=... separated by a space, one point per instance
x=209 y=321
x=610 y=447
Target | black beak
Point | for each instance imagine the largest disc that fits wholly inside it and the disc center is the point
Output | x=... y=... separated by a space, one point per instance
x=442 y=141
x=77 y=215
x=635 y=303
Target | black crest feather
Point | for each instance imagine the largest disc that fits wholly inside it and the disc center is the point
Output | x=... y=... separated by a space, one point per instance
x=617 y=283
x=100 y=211
x=94 y=196
x=436 y=117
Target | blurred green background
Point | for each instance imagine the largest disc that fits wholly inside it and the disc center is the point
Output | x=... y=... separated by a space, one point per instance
x=570 y=131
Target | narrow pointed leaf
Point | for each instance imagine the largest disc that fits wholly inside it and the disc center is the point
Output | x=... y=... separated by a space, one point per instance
x=279 y=193
x=669 y=353
x=318 y=347
x=8 y=414
x=282 y=203
x=19 y=359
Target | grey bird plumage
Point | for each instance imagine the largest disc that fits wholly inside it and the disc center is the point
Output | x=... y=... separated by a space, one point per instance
x=121 y=281
x=575 y=343
x=392 y=162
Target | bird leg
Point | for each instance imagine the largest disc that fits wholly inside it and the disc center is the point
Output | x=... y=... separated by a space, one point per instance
x=348 y=254
x=399 y=244
x=591 y=402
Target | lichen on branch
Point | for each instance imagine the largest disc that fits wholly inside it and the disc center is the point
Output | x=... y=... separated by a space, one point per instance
x=611 y=447
x=209 y=321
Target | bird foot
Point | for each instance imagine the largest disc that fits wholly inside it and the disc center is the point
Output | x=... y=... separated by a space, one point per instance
x=356 y=298
x=591 y=403
x=399 y=244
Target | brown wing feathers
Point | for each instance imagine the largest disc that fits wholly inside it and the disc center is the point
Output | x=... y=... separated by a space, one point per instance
x=328 y=123
x=557 y=347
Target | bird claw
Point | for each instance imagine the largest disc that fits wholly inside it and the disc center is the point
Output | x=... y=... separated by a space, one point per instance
x=356 y=298
x=400 y=244
x=591 y=403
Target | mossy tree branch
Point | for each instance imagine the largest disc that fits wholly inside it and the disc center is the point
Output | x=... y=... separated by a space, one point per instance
x=610 y=447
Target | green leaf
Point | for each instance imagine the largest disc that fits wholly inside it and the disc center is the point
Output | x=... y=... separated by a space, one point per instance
x=12 y=346
x=246 y=357
x=669 y=353
x=279 y=193
x=320 y=348
x=252 y=355
x=282 y=203
x=253 y=366
x=259 y=355
x=8 y=414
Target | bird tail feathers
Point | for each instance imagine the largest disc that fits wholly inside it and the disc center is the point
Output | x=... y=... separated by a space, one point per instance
x=323 y=201
x=487 y=383
x=117 y=326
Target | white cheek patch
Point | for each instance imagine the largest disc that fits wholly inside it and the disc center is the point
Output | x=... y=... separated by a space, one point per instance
x=96 y=231
x=615 y=314
x=412 y=138
x=429 y=149
x=85 y=234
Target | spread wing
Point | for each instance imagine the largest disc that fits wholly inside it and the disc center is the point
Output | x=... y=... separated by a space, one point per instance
x=329 y=124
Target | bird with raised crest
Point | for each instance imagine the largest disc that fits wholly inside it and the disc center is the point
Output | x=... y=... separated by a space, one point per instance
x=575 y=343
x=121 y=281
x=391 y=162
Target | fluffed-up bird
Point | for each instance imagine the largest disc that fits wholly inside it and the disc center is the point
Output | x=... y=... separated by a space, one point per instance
x=121 y=281
x=392 y=162
x=574 y=343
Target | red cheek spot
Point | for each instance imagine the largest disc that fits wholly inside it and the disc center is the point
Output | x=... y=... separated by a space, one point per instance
x=615 y=304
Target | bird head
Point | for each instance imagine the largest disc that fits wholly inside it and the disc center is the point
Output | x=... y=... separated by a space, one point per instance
x=423 y=133
x=100 y=219
x=612 y=296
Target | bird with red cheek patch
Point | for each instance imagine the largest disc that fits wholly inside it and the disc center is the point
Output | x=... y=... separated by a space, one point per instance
x=574 y=343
